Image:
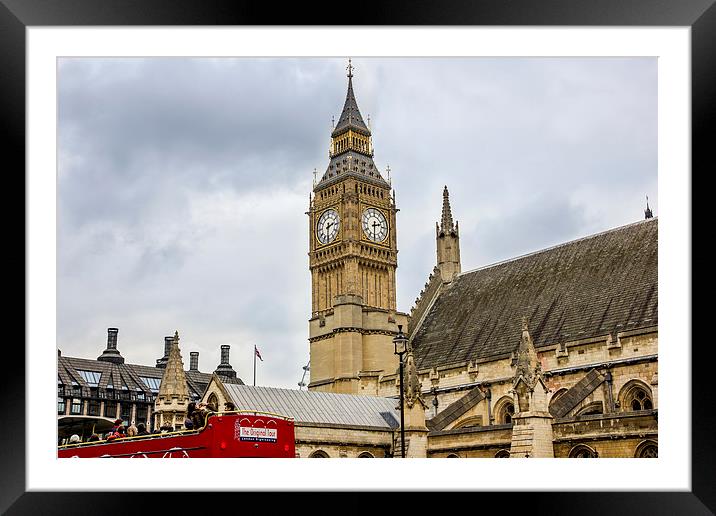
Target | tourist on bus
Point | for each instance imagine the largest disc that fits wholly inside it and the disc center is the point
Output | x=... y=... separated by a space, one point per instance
x=131 y=430
x=197 y=417
x=189 y=421
x=142 y=429
x=202 y=412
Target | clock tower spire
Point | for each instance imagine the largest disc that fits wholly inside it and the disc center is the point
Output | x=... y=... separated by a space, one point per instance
x=352 y=258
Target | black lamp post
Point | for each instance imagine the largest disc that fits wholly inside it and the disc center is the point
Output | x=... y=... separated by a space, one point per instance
x=400 y=341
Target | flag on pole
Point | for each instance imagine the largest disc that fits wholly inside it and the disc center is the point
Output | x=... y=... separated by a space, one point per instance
x=258 y=354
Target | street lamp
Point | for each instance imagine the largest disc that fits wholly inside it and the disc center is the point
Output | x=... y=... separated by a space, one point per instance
x=400 y=342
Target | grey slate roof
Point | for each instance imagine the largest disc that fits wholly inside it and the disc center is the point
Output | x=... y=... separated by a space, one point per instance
x=598 y=285
x=318 y=407
x=351 y=163
x=123 y=374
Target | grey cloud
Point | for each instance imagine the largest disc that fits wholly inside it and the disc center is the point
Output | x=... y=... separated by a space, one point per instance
x=182 y=183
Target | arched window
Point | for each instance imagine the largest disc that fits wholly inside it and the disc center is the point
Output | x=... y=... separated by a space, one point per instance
x=582 y=451
x=592 y=408
x=365 y=455
x=503 y=454
x=453 y=456
x=319 y=454
x=504 y=410
x=647 y=450
x=470 y=422
x=635 y=395
x=213 y=402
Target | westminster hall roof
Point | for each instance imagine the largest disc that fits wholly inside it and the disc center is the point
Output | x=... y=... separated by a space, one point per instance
x=598 y=285
x=325 y=408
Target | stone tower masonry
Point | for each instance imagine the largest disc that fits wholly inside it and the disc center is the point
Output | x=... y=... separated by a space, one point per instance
x=447 y=237
x=173 y=397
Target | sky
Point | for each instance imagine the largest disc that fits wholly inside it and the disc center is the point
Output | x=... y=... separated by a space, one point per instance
x=183 y=184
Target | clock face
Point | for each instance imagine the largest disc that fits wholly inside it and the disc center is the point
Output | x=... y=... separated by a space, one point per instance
x=328 y=226
x=374 y=224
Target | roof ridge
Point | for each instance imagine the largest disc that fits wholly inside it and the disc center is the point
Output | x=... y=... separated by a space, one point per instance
x=330 y=394
x=556 y=246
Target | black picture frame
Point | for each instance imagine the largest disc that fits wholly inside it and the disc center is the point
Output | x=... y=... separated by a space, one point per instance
x=17 y=15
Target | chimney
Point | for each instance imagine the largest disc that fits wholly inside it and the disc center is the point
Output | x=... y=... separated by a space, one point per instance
x=224 y=369
x=162 y=362
x=111 y=354
x=194 y=361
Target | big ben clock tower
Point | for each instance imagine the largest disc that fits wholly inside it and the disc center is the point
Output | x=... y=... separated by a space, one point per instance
x=352 y=257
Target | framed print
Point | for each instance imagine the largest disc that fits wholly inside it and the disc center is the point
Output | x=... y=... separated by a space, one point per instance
x=168 y=156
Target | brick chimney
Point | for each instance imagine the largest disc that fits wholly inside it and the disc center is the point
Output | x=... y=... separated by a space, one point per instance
x=162 y=362
x=194 y=361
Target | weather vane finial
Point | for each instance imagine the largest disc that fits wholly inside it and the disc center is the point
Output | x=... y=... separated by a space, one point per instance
x=350 y=68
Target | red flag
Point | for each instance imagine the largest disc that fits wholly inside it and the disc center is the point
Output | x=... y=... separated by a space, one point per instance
x=258 y=354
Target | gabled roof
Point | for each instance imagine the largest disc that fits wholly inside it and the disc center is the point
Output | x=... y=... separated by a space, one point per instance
x=598 y=285
x=317 y=407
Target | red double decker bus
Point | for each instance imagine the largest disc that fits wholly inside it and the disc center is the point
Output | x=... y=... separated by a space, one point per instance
x=229 y=434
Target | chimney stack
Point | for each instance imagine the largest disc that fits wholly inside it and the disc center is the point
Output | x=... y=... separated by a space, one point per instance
x=162 y=362
x=194 y=361
x=224 y=369
x=112 y=338
x=111 y=354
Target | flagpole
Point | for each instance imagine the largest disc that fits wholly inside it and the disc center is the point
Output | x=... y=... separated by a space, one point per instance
x=254 y=366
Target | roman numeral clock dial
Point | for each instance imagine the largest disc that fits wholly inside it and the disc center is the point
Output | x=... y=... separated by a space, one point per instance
x=327 y=227
x=374 y=224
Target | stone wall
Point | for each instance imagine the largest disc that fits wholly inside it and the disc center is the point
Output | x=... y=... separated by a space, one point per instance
x=342 y=442
x=610 y=435
x=470 y=442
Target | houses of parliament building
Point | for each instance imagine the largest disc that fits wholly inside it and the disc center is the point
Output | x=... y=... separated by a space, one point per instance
x=550 y=354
